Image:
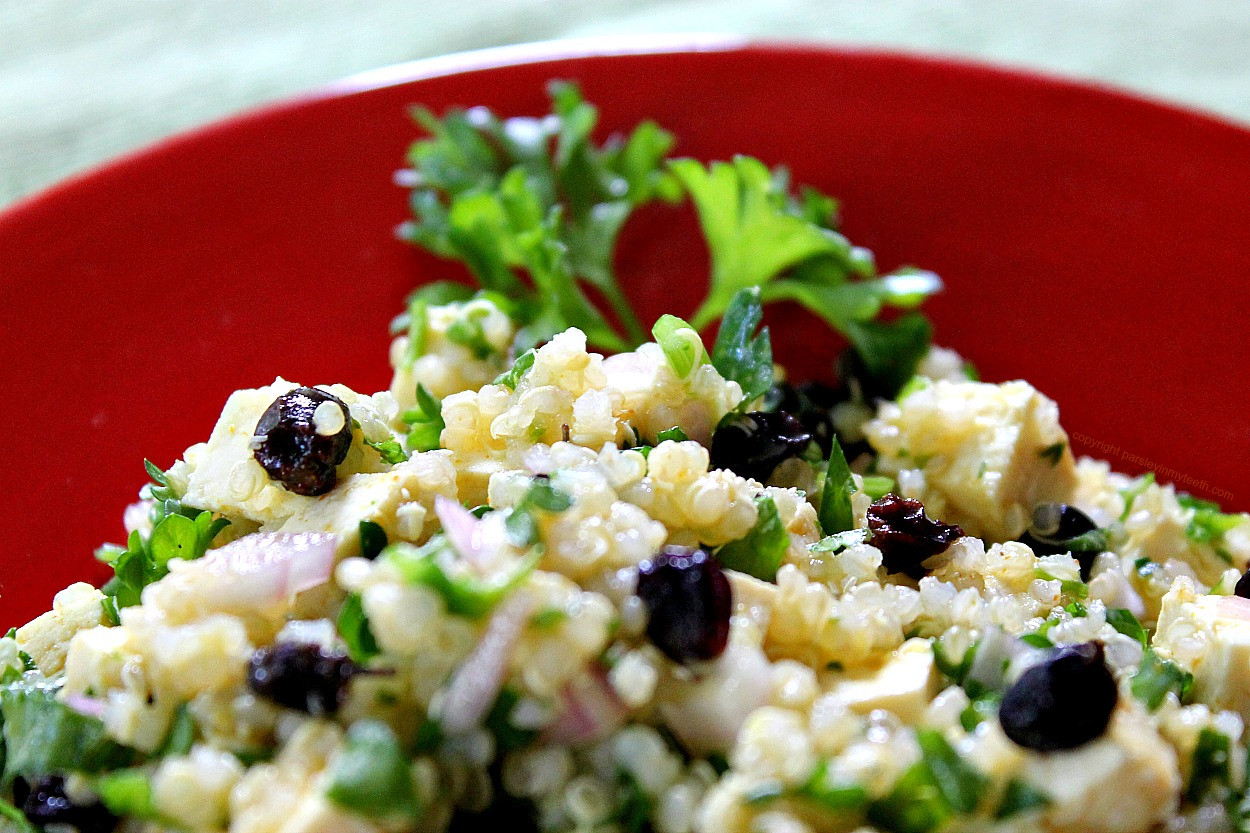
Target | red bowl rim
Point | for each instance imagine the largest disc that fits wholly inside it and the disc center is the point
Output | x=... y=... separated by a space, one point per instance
x=601 y=46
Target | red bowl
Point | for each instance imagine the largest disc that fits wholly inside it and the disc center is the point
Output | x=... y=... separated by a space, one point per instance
x=1091 y=242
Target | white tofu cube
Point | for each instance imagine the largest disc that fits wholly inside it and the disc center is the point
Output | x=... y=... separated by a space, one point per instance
x=988 y=453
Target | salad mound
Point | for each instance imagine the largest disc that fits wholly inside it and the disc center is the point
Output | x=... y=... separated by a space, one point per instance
x=570 y=575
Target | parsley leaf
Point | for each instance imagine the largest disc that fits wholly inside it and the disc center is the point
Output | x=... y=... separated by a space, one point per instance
x=932 y=791
x=752 y=231
x=512 y=377
x=1140 y=485
x=371 y=776
x=1211 y=775
x=521 y=523
x=1209 y=523
x=425 y=422
x=127 y=793
x=763 y=550
x=836 y=514
x=1053 y=453
x=1156 y=677
x=16 y=818
x=830 y=795
x=892 y=351
x=1019 y=797
x=178 y=531
x=43 y=736
x=465 y=595
x=759 y=235
x=1126 y=623
x=739 y=353
x=676 y=434
x=372 y=540
x=390 y=450
x=540 y=196
x=467 y=331
x=353 y=627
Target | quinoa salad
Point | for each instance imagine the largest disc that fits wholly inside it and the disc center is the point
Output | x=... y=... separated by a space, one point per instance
x=574 y=573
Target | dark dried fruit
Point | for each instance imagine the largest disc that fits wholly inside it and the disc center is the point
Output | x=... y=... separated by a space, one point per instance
x=754 y=444
x=1243 y=586
x=44 y=802
x=1062 y=703
x=811 y=403
x=1057 y=528
x=689 y=601
x=294 y=449
x=301 y=676
x=906 y=536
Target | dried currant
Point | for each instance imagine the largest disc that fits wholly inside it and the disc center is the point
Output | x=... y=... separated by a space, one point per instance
x=812 y=404
x=44 y=802
x=301 y=676
x=1062 y=703
x=689 y=603
x=754 y=444
x=1243 y=586
x=301 y=437
x=1057 y=528
x=906 y=536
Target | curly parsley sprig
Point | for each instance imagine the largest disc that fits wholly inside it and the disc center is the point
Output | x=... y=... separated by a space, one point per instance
x=534 y=207
x=178 y=531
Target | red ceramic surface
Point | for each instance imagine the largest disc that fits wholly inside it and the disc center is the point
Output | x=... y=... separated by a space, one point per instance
x=1092 y=242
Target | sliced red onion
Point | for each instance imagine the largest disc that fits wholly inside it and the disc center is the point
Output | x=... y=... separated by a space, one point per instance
x=263 y=568
x=476 y=684
x=478 y=541
x=590 y=711
x=84 y=705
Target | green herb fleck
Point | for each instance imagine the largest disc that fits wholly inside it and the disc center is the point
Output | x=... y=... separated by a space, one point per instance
x=763 y=550
x=1053 y=453
x=836 y=514
x=740 y=354
x=372 y=540
x=1156 y=677
x=676 y=434
x=1019 y=797
x=1126 y=623
x=390 y=450
x=353 y=627
x=371 y=776
x=1133 y=492
x=425 y=422
x=1211 y=776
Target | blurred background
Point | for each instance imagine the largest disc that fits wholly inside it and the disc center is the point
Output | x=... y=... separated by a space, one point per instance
x=84 y=80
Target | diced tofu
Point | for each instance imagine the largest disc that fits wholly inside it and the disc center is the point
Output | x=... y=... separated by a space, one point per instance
x=1124 y=782
x=753 y=599
x=194 y=790
x=401 y=501
x=1210 y=637
x=904 y=685
x=1157 y=528
x=986 y=454
x=223 y=475
x=47 y=637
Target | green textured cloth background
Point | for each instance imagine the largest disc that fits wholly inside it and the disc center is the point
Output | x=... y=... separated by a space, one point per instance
x=83 y=80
